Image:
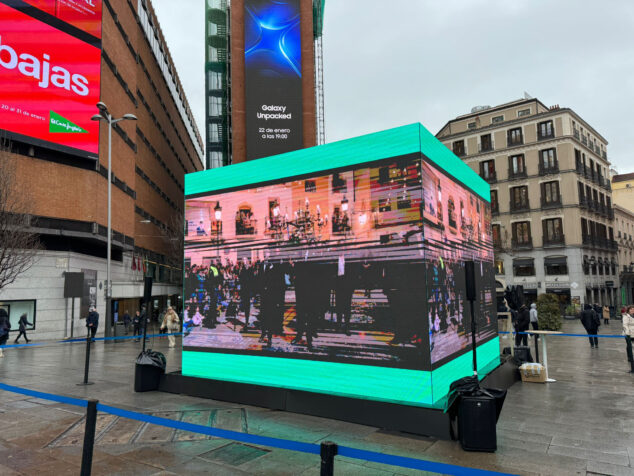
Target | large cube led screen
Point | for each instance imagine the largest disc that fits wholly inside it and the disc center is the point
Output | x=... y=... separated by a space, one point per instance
x=363 y=265
x=273 y=77
x=50 y=74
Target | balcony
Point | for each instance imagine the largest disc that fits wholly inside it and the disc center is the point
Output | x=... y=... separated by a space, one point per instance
x=551 y=169
x=485 y=147
x=497 y=245
x=605 y=155
x=517 y=174
x=522 y=245
x=612 y=245
x=584 y=140
x=552 y=203
x=541 y=136
x=583 y=203
x=575 y=133
x=460 y=152
x=554 y=241
x=491 y=177
x=495 y=210
x=611 y=213
x=597 y=149
x=520 y=207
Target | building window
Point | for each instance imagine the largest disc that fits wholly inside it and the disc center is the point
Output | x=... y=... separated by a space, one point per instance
x=497 y=119
x=517 y=166
x=524 y=267
x=497 y=238
x=548 y=161
x=458 y=148
x=487 y=170
x=215 y=106
x=586 y=265
x=519 y=198
x=555 y=265
x=524 y=112
x=550 y=193
x=553 y=231
x=486 y=143
x=214 y=133
x=522 y=233
x=499 y=266
x=495 y=208
x=214 y=79
x=514 y=137
x=471 y=125
x=545 y=130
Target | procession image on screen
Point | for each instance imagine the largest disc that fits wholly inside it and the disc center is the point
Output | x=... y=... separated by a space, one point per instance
x=359 y=266
x=49 y=79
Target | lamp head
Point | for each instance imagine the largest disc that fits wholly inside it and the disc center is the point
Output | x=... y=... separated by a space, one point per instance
x=102 y=107
x=96 y=117
x=129 y=117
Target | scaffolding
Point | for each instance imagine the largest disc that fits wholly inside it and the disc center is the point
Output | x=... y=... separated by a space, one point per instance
x=218 y=81
x=318 y=27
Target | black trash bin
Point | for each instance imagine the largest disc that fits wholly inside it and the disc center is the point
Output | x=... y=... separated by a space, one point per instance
x=150 y=366
x=475 y=412
x=119 y=331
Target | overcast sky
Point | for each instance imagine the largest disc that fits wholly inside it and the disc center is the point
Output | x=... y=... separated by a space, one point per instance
x=403 y=61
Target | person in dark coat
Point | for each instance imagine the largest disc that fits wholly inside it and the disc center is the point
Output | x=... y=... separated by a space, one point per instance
x=272 y=304
x=591 y=322
x=5 y=326
x=246 y=279
x=22 y=323
x=522 y=325
x=212 y=281
x=92 y=322
x=136 y=325
x=306 y=303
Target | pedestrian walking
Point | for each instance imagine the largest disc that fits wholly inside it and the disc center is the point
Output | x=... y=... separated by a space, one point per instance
x=136 y=325
x=628 y=331
x=523 y=322
x=5 y=326
x=92 y=322
x=22 y=323
x=534 y=319
x=171 y=323
x=126 y=321
x=606 y=315
x=591 y=322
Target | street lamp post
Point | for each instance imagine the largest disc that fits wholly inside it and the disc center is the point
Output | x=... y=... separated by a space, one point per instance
x=104 y=115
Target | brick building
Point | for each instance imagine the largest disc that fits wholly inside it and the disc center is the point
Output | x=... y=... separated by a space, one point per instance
x=67 y=194
x=225 y=79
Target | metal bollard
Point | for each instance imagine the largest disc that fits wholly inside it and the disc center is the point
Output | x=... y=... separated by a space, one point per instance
x=328 y=452
x=89 y=437
x=87 y=362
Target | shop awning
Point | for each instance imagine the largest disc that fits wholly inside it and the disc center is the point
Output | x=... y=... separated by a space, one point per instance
x=523 y=262
x=555 y=260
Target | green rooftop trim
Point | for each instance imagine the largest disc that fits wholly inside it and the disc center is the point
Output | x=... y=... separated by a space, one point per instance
x=400 y=141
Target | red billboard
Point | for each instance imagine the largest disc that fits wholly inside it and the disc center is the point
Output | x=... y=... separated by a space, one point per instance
x=49 y=84
x=82 y=14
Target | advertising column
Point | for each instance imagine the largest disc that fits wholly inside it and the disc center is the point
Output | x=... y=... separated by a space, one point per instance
x=273 y=77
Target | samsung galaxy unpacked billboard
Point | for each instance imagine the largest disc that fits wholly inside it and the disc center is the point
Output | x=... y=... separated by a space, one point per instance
x=273 y=77
x=49 y=80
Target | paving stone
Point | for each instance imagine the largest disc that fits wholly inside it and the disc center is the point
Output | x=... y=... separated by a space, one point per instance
x=598 y=468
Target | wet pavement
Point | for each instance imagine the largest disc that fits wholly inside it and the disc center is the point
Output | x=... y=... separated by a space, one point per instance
x=581 y=424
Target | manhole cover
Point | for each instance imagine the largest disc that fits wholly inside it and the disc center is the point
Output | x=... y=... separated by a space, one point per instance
x=234 y=454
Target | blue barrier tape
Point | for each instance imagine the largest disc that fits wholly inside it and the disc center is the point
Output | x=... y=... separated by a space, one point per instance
x=609 y=336
x=78 y=402
x=405 y=462
x=83 y=339
x=272 y=442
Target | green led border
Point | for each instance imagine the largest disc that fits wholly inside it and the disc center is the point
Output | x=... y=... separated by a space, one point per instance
x=397 y=142
x=386 y=384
